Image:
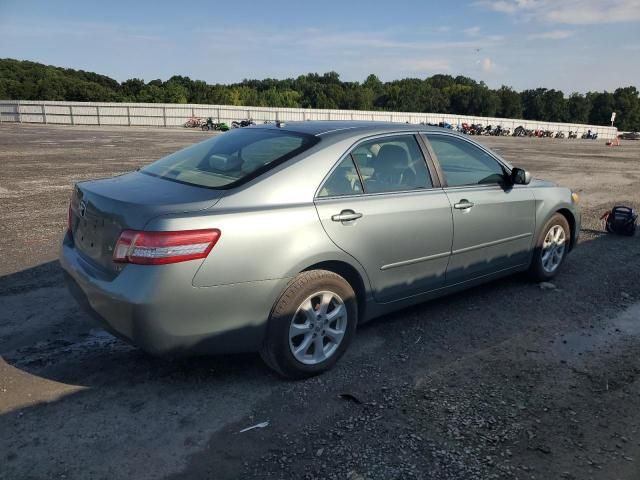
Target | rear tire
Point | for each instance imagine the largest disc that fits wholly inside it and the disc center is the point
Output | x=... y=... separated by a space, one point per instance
x=311 y=325
x=551 y=249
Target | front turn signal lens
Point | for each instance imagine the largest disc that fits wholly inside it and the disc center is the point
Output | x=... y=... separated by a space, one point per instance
x=575 y=198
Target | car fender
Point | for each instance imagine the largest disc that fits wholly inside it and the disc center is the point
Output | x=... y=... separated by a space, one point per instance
x=262 y=243
x=549 y=201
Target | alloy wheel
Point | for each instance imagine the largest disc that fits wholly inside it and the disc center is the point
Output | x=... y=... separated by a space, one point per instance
x=318 y=327
x=553 y=248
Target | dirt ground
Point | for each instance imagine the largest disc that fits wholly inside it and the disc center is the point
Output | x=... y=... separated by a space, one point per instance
x=507 y=380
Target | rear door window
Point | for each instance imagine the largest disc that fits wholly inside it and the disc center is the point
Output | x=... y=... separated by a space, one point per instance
x=344 y=180
x=231 y=158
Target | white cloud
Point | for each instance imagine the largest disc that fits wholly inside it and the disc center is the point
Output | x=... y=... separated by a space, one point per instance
x=487 y=65
x=340 y=41
x=570 y=12
x=507 y=6
x=472 y=31
x=551 y=35
x=594 y=12
x=156 y=51
x=424 y=64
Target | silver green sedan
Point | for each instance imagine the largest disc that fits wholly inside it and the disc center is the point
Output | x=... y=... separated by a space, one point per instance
x=283 y=238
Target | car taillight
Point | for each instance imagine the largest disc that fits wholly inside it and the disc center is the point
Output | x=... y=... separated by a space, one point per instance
x=159 y=248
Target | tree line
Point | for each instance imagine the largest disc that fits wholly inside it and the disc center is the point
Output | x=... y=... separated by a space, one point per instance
x=24 y=80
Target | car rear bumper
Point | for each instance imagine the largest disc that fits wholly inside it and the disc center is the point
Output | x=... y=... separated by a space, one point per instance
x=159 y=310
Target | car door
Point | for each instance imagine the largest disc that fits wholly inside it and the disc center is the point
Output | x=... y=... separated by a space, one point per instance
x=380 y=205
x=493 y=220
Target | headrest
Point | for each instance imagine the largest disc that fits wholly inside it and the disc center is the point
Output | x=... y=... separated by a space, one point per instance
x=223 y=163
x=391 y=158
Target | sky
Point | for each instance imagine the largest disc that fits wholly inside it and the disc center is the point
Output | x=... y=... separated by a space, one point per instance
x=572 y=45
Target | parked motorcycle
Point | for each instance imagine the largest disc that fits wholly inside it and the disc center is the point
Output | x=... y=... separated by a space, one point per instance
x=573 y=134
x=193 y=122
x=211 y=125
x=242 y=123
x=499 y=131
x=520 y=131
x=474 y=129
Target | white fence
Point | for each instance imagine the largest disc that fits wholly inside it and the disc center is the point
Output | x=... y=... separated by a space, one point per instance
x=174 y=115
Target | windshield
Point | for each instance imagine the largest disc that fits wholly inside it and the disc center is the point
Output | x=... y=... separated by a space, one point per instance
x=230 y=158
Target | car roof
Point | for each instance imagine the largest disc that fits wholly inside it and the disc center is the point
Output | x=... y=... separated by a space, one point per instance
x=336 y=130
x=327 y=128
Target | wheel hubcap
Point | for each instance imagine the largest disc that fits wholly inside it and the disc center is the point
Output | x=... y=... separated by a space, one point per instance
x=553 y=248
x=317 y=328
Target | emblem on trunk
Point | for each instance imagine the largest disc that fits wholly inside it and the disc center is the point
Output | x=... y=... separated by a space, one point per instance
x=83 y=208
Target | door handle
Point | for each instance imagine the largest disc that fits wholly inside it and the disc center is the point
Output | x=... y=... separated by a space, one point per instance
x=346 y=216
x=463 y=204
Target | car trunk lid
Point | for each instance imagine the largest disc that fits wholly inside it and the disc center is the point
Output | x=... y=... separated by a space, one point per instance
x=101 y=209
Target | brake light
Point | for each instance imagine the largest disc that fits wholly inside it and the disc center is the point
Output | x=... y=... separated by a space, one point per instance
x=160 y=248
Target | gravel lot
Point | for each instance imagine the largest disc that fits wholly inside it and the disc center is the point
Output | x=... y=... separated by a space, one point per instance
x=507 y=380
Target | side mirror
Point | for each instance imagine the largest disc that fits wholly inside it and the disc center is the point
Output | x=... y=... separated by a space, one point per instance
x=520 y=176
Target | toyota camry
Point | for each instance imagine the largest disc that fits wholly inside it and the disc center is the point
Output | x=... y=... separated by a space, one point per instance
x=283 y=238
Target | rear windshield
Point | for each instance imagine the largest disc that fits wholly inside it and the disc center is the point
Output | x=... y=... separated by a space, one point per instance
x=230 y=158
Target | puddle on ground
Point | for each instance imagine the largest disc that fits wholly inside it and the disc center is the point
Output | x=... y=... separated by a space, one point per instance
x=578 y=344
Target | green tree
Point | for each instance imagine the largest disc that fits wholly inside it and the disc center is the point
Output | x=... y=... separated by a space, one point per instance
x=510 y=103
x=279 y=98
x=441 y=82
x=151 y=94
x=438 y=93
x=131 y=88
x=374 y=84
x=533 y=107
x=483 y=101
x=627 y=108
x=555 y=106
x=578 y=107
x=459 y=98
x=175 y=92
x=198 y=92
x=602 y=105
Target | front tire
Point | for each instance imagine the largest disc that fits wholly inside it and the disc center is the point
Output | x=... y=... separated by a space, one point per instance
x=311 y=325
x=551 y=249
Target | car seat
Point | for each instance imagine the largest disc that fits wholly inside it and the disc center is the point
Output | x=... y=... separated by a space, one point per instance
x=391 y=170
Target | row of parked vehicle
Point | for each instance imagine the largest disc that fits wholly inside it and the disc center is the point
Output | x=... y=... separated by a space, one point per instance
x=520 y=131
x=523 y=132
x=208 y=124
x=629 y=136
x=466 y=128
